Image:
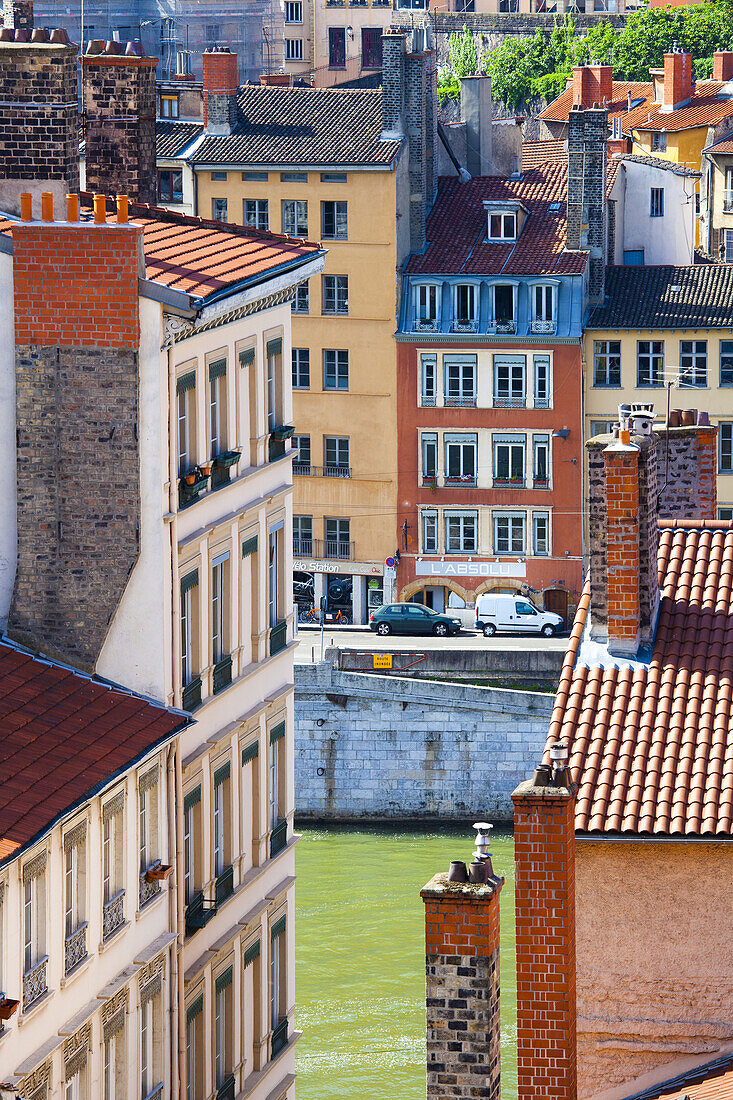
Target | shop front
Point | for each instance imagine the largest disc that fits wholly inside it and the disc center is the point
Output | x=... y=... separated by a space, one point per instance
x=352 y=589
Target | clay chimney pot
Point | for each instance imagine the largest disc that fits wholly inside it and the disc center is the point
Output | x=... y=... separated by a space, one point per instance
x=22 y=35
x=47 y=206
x=100 y=209
x=59 y=37
x=39 y=34
x=26 y=207
x=72 y=208
x=96 y=45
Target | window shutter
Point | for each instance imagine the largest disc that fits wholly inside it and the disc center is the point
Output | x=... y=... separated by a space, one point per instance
x=224 y=979
x=195 y=1009
x=247 y=357
x=278 y=927
x=189 y=581
x=277 y=732
x=191 y=799
x=252 y=953
x=251 y=752
x=221 y=774
x=217 y=369
x=275 y=347
x=186 y=382
x=250 y=546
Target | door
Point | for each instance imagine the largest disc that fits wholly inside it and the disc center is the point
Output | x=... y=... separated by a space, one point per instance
x=337 y=47
x=417 y=620
x=525 y=616
x=556 y=600
x=371 y=48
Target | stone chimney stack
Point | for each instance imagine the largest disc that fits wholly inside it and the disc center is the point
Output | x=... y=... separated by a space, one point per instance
x=587 y=136
x=677 y=86
x=39 y=138
x=476 y=112
x=462 y=983
x=18 y=15
x=119 y=127
x=220 y=90
x=544 y=892
x=723 y=65
x=592 y=85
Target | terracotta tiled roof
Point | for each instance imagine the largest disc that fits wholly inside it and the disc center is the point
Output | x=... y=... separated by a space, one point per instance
x=644 y=297
x=303 y=126
x=559 y=109
x=457 y=226
x=171 y=138
x=725 y=145
x=705 y=109
x=536 y=153
x=713 y=1081
x=63 y=735
x=651 y=746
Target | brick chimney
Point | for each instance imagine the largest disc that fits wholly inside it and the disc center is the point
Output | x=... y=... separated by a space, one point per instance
x=119 y=120
x=462 y=984
x=544 y=893
x=18 y=14
x=592 y=85
x=39 y=138
x=220 y=90
x=677 y=87
x=586 y=205
x=723 y=65
x=76 y=371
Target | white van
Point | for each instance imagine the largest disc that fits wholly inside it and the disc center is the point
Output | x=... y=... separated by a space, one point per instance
x=514 y=614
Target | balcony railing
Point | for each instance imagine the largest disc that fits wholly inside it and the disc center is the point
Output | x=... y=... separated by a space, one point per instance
x=503 y=327
x=538 y=326
x=541 y=482
x=278 y=838
x=224 y=885
x=460 y=401
x=222 y=676
x=509 y=482
x=199 y=912
x=464 y=326
x=192 y=694
x=279 y=1037
x=428 y=401
x=302 y=469
x=509 y=402
x=424 y=324
x=75 y=948
x=34 y=983
x=226 y=1090
x=278 y=637
x=148 y=890
x=113 y=915
x=333 y=549
x=466 y=480
x=728 y=202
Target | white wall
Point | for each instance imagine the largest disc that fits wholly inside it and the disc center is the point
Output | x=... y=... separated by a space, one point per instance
x=8 y=508
x=666 y=240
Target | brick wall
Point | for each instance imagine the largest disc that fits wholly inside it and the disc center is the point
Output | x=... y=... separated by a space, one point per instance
x=462 y=987
x=587 y=134
x=723 y=65
x=677 y=79
x=544 y=855
x=393 y=92
x=648 y=536
x=119 y=105
x=77 y=417
x=689 y=488
x=622 y=547
x=592 y=84
x=18 y=14
x=220 y=90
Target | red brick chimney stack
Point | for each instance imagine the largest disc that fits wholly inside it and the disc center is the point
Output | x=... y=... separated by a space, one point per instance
x=677 y=87
x=220 y=90
x=723 y=65
x=544 y=854
x=592 y=85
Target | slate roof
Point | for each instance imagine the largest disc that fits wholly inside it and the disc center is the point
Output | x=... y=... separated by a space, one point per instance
x=667 y=165
x=171 y=138
x=63 y=736
x=457 y=226
x=559 y=109
x=303 y=126
x=535 y=153
x=651 y=746
x=644 y=298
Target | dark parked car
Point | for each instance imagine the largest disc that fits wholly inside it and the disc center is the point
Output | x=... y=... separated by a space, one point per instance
x=412 y=618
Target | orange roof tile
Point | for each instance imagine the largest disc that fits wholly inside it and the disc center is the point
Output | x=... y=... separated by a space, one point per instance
x=651 y=745
x=536 y=153
x=713 y=1081
x=559 y=109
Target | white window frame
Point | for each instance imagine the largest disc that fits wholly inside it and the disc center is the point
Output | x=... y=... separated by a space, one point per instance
x=512 y=516
x=109 y=1068
x=505 y=221
x=275 y=980
x=543 y=302
x=427 y=302
x=429 y=530
x=465 y=462
x=186 y=636
x=464 y=518
x=725 y=447
x=293 y=49
x=219 y=210
x=462 y=395
x=335 y=295
x=273 y=569
x=694 y=372
x=295 y=217
x=217 y=610
x=257 y=214
x=429 y=455
x=184 y=416
x=542 y=364
x=293 y=11
x=602 y=356
x=274 y=784
x=541 y=442
x=472 y=302
x=514 y=398
x=147 y=1047
x=514 y=445
x=654 y=378
x=217 y=414
x=428 y=380
x=537 y=518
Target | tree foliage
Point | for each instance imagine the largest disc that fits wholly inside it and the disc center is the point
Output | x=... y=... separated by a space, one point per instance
x=462 y=53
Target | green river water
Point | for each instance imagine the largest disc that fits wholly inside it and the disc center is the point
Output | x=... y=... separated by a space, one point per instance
x=360 y=959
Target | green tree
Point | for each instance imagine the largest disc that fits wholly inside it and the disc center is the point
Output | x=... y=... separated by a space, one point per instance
x=462 y=53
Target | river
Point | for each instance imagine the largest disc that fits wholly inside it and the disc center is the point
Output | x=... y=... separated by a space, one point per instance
x=360 y=958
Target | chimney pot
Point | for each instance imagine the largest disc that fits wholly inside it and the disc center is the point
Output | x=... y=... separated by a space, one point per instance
x=134 y=49
x=458 y=871
x=72 y=208
x=100 y=209
x=26 y=207
x=7 y=34
x=22 y=35
x=122 y=208
x=59 y=37
x=39 y=34
x=47 y=206
x=96 y=45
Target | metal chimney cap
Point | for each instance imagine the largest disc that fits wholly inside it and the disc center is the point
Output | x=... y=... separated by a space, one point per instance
x=559 y=753
x=482 y=826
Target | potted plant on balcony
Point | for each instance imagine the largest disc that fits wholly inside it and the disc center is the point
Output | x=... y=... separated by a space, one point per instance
x=227 y=458
x=7 y=1006
x=190 y=477
x=205 y=469
x=158 y=872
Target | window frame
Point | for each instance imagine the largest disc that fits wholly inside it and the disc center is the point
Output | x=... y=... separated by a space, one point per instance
x=429 y=530
x=510 y=516
x=293 y=7
x=293 y=49
x=301 y=368
x=338 y=219
x=507 y=225
x=604 y=357
x=301 y=301
x=339 y=445
x=656 y=202
x=725 y=446
x=429 y=456
x=257 y=214
x=698 y=374
x=537 y=518
x=514 y=444
x=725 y=352
x=170 y=193
x=651 y=355
x=220 y=213
x=460 y=452
x=335 y=295
x=460 y=380
x=542 y=363
x=463 y=517
x=513 y=399
x=294 y=221
x=340 y=370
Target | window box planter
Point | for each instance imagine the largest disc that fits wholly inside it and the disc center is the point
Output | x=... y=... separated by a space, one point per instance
x=7 y=1007
x=158 y=872
x=275 y=448
x=279 y=1037
x=430 y=481
x=285 y=431
x=227 y=459
x=224 y=885
x=198 y=913
x=541 y=483
x=226 y=1090
x=191 y=484
x=278 y=838
x=192 y=694
x=464 y=479
x=222 y=677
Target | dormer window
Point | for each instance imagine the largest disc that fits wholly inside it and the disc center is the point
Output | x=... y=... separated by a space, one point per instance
x=465 y=307
x=505 y=218
x=503 y=227
x=427 y=307
x=543 y=301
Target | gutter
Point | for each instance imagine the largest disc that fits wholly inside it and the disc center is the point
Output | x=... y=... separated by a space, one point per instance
x=277 y=275
x=647 y=838
x=167 y=296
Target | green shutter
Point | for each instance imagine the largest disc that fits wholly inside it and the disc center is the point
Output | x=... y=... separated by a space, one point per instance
x=277 y=732
x=251 y=752
x=247 y=357
x=278 y=927
x=194 y=1009
x=189 y=581
x=186 y=382
x=275 y=347
x=191 y=799
x=249 y=547
x=221 y=774
x=251 y=954
x=224 y=979
x=217 y=369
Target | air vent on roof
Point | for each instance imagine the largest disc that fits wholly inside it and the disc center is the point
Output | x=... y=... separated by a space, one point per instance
x=675 y=288
x=555 y=207
x=636 y=103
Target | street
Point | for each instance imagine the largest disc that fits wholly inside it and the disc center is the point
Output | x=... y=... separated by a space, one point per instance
x=361 y=637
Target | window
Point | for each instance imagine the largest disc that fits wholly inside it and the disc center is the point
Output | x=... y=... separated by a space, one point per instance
x=255 y=177
x=509 y=459
x=218 y=177
x=428 y=374
x=293 y=177
x=112 y=1066
x=725 y=447
x=169 y=106
x=607 y=363
x=337 y=47
x=295 y=217
x=693 y=363
x=189 y=590
x=726 y=362
x=274 y=785
x=170 y=185
x=601 y=427
x=464 y=303
x=726 y=514
x=338 y=538
x=335 y=294
x=429 y=532
x=336 y=451
x=335 y=370
x=293 y=49
x=461 y=453
x=510 y=532
x=728 y=192
x=74 y=886
x=219 y=210
x=633 y=257
x=217 y=407
x=277 y=973
x=219 y=578
x=300 y=301
x=273 y=577
x=148 y=819
x=650 y=362
x=541 y=460
x=659 y=142
x=333 y=177
x=34 y=916
x=509 y=381
x=256 y=213
x=186 y=416
x=426 y=304
x=222 y=814
x=656 y=202
x=541 y=534
x=371 y=47
x=112 y=852
x=222 y=1026
x=274 y=351
x=301 y=368
x=302 y=444
x=303 y=535
x=460 y=380
x=461 y=531
x=293 y=11
x=150 y=1039
x=544 y=303
x=191 y=836
x=334 y=221
x=502 y=227
x=542 y=381
x=429 y=450
x=728 y=248
x=194 y=1050
x=504 y=307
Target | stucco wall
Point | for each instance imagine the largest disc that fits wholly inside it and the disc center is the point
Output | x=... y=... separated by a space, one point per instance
x=387 y=748
x=669 y=239
x=654 y=958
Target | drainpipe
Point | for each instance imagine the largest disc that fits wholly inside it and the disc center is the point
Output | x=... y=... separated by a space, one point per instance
x=176 y=1004
x=180 y=900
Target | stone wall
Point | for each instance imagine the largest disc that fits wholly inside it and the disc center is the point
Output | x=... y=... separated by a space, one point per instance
x=370 y=746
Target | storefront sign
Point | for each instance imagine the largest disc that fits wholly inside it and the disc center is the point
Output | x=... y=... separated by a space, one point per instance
x=382 y=660
x=426 y=568
x=363 y=569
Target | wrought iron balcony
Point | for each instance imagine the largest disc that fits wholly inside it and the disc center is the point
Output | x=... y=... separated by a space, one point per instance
x=75 y=948
x=303 y=469
x=424 y=324
x=509 y=402
x=466 y=480
x=538 y=326
x=113 y=915
x=148 y=890
x=332 y=549
x=464 y=326
x=192 y=694
x=199 y=912
x=224 y=885
x=279 y=1037
x=460 y=401
x=509 y=482
x=278 y=838
x=541 y=482
x=278 y=637
x=226 y=1089
x=428 y=401
x=222 y=675
x=34 y=983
